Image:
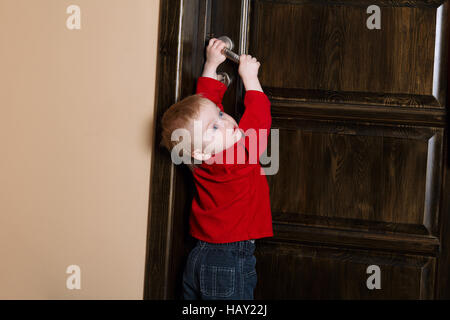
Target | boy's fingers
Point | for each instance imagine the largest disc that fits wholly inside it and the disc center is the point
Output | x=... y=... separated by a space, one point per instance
x=211 y=41
x=221 y=45
x=218 y=42
x=243 y=57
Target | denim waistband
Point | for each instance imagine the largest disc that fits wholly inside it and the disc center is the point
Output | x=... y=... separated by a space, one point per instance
x=244 y=245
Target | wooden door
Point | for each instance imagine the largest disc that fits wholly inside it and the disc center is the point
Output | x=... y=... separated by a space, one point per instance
x=361 y=116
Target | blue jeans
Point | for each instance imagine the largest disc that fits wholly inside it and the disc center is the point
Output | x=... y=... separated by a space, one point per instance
x=220 y=271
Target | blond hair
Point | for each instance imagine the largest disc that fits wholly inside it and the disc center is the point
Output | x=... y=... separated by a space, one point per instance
x=180 y=115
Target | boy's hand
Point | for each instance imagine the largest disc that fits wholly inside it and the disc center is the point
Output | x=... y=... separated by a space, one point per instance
x=248 y=70
x=248 y=67
x=214 y=55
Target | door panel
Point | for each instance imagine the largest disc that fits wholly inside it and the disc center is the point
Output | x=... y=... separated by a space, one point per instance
x=333 y=273
x=358 y=176
x=328 y=53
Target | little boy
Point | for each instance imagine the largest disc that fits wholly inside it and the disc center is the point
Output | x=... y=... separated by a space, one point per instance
x=231 y=206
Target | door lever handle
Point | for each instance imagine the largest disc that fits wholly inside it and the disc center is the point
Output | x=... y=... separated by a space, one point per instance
x=227 y=50
x=224 y=78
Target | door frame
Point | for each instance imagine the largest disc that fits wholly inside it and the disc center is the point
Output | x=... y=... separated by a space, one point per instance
x=442 y=280
x=182 y=30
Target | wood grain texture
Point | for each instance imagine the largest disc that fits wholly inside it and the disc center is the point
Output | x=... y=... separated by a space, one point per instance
x=311 y=272
x=157 y=260
x=364 y=160
x=178 y=67
x=292 y=107
x=357 y=236
x=330 y=54
x=225 y=15
x=443 y=269
x=364 y=3
x=362 y=123
x=371 y=175
x=179 y=241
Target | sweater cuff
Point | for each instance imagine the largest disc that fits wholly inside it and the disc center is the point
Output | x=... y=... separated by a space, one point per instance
x=211 y=88
x=252 y=96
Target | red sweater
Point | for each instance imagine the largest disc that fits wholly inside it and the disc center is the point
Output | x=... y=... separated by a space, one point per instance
x=232 y=202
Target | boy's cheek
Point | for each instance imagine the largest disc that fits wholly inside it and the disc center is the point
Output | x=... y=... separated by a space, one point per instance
x=210 y=147
x=207 y=139
x=239 y=135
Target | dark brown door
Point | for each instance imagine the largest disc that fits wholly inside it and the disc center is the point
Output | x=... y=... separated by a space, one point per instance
x=363 y=179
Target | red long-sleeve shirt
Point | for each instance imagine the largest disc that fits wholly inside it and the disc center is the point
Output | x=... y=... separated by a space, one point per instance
x=232 y=202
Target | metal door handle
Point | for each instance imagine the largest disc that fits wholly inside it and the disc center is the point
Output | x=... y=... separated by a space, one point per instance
x=227 y=50
x=224 y=78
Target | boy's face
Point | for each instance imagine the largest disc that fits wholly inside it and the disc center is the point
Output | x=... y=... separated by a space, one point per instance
x=219 y=130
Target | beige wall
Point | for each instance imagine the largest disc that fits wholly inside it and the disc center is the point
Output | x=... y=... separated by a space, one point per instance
x=76 y=119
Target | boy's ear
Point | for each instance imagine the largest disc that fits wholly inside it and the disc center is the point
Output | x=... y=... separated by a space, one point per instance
x=197 y=154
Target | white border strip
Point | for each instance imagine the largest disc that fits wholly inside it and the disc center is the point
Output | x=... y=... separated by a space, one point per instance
x=437 y=52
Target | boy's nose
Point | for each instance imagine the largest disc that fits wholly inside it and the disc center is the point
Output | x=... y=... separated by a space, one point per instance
x=220 y=123
x=225 y=123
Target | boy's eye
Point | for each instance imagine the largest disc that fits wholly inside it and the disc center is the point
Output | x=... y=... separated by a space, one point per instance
x=220 y=114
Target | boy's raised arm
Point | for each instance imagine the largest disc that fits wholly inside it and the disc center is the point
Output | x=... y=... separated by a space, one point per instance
x=212 y=89
x=257 y=115
x=257 y=104
x=208 y=85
